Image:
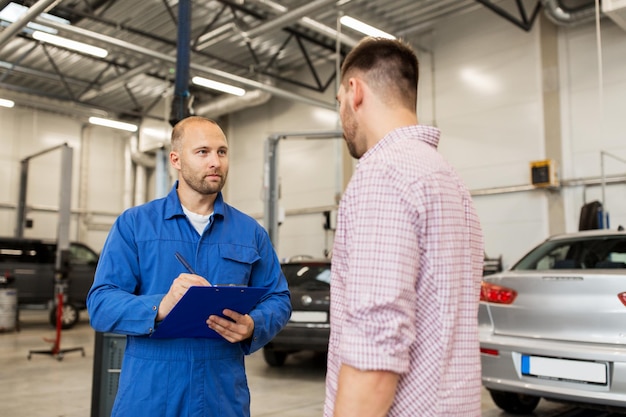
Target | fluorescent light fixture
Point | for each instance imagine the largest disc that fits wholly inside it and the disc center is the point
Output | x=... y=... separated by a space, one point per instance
x=70 y=44
x=13 y=11
x=364 y=27
x=113 y=123
x=6 y=103
x=216 y=85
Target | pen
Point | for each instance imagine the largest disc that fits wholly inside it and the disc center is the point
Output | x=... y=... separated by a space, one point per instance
x=183 y=261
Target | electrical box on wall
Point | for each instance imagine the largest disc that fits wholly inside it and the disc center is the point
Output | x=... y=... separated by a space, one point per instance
x=544 y=173
x=616 y=11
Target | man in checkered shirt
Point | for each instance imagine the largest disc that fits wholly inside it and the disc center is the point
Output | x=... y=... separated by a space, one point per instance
x=407 y=258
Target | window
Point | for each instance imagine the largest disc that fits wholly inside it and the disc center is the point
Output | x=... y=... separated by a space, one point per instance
x=598 y=252
x=82 y=255
x=307 y=276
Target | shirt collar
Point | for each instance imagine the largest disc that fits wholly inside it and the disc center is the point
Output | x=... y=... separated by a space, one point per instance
x=428 y=134
x=173 y=207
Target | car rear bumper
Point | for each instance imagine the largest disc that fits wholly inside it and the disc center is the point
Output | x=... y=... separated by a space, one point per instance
x=503 y=370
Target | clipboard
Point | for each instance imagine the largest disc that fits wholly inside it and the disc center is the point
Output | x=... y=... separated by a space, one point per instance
x=189 y=315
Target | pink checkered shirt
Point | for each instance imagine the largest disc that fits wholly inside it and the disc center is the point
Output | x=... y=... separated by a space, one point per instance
x=406 y=271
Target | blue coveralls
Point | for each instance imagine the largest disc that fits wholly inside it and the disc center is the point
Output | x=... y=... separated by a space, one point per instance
x=183 y=377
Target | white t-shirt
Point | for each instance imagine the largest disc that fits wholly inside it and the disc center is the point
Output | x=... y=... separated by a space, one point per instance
x=199 y=221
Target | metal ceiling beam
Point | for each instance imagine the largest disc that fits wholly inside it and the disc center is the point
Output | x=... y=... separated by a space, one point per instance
x=311 y=24
x=199 y=45
x=117 y=82
x=522 y=22
x=34 y=11
x=9 y=66
x=128 y=46
x=286 y=19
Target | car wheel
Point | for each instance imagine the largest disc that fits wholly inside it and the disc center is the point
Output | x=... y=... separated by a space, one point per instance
x=69 y=316
x=274 y=358
x=514 y=403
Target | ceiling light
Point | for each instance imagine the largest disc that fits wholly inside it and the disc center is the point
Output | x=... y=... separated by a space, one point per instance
x=364 y=27
x=70 y=44
x=113 y=123
x=13 y=12
x=216 y=85
x=6 y=103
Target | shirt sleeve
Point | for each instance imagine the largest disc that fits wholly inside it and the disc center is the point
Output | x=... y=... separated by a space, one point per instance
x=382 y=267
x=112 y=303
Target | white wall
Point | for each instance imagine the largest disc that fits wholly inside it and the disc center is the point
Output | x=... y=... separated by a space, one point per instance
x=593 y=117
x=489 y=108
x=485 y=96
x=97 y=170
x=307 y=170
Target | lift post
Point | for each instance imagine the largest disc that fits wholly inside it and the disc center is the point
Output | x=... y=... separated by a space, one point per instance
x=63 y=248
x=270 y=177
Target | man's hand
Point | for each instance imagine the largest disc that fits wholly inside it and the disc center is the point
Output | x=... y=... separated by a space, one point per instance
x=241 y=329
x=178 y=288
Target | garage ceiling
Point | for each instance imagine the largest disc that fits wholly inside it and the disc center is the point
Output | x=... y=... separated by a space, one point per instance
x=264 y=45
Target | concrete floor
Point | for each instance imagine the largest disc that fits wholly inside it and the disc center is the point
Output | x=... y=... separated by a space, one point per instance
x=43 y=386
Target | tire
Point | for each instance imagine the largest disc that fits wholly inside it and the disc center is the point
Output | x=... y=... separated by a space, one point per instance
x=515 y=403
x=274 y=358
x=69 y=316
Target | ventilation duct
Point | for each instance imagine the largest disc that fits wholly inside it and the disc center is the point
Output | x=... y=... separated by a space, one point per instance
x=230 y=104
x=569 y=14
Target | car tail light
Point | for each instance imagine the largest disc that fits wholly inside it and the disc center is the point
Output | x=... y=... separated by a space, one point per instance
x=491 y=293
x=490 y=352
x=622 y=297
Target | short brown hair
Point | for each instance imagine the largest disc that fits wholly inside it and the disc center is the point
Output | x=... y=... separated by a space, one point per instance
x=390 y=65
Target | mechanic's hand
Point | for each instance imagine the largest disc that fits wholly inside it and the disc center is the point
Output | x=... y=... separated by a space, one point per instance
x=178 y=288
x=241 y=329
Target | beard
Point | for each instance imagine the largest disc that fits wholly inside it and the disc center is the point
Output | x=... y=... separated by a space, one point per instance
x=350 y=134
x=200 y=184
x=351 y=147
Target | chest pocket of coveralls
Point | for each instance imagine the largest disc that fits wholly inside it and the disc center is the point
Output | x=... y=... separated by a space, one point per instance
x=236 y=264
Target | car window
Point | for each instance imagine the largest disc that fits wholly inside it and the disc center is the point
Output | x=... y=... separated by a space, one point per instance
x=307 y=276
x=82 y=255
x=579 y=253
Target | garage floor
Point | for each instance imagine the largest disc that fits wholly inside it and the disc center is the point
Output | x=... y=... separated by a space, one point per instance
x=43 y=386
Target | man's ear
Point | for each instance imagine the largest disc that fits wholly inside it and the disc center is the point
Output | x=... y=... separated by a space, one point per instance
x=356 y=85
x=174 y=160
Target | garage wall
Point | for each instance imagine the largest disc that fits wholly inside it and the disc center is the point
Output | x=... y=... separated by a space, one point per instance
x=308 y=170
x=486 y=97
x=97 y=173
x=481 y=83
x=593 y=116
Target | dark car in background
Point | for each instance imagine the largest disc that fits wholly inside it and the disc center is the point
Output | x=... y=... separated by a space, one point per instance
x=31 y=264
x=553 y=326
x=309 y=325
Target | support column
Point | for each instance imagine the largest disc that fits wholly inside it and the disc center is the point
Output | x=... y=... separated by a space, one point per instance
x=548 y=43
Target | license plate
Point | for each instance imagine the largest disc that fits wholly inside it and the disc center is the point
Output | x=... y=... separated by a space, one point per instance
x=309 y=316
x=565 y=369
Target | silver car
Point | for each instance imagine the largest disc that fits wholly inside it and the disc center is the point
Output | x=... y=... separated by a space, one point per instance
x=553 y=326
